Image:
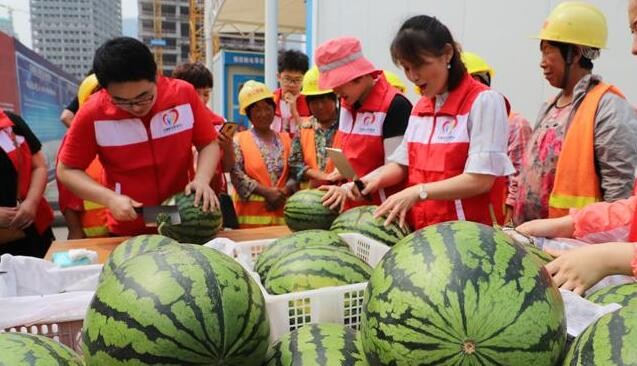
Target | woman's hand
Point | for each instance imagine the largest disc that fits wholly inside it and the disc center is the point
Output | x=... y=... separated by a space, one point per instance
x=398 y=205
x=6 y=215
x=25 y=216
x=335 y=197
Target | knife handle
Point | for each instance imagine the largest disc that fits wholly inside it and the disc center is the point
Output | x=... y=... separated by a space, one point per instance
x=138 y=209
x=360 y=185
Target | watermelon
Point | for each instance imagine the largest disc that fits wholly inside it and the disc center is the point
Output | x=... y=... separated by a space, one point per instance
x=620 y=294
x=134 y=246
x=461 y=293
x=314 y=268
x=317 y=345
x=304 y=210
x=609 y=341
x=541 y=256
x=361 y=220
x=294 y=241
x=178 y=305
x=196 y=226
x=29 y=349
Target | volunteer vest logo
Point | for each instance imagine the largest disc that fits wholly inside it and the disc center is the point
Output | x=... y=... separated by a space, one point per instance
x=367 y=124
x=448 y=129
x=170 y=119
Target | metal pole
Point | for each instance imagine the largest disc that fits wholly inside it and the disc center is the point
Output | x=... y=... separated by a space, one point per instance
x=271 y=41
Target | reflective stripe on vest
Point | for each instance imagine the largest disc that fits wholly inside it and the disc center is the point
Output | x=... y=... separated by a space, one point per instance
x=576 y=181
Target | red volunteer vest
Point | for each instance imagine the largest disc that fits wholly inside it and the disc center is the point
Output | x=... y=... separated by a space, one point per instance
x=19 y=153
x=438 y=145
x=360 y=133
x=284 y=123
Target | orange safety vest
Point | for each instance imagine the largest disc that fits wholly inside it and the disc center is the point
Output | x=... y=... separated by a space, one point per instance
x=93 y=217
x=252 y=212
x=308 y=146
x=577 y=183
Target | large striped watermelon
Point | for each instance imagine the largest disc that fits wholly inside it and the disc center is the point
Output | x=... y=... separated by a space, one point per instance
x=292 y=242
x=196 y=226
x=620 y=294
x=361 y=220
x=132 y=247
x=304 y=210
x=179 y=305
x=317 y=345
x=540 y=255
x=609 y=341
x=314 y=268
x=18 y=349
x=461 y=293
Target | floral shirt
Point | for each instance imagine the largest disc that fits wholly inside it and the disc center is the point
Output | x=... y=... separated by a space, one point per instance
x=272 y=155
x=322 y=138
x=539 y=165
x=520 y=132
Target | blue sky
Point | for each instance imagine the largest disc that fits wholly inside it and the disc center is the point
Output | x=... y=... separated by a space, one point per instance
x=22 y=24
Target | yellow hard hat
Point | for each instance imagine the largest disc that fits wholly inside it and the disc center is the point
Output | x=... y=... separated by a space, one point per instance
x=252 y=92
x=311 y=83
x=577 y=23
x=88 y=86
x=394 y=81
x=476 y=64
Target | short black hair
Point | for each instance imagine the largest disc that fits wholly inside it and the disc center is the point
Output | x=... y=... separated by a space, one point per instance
x=123 y=59
x=195 y=73
x=425 y=34
x=251 y=106
x=585 y=63
x=292 y=60
x=310 y=98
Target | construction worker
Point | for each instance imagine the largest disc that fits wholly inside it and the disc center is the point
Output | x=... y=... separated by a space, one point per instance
x=453 y=155
x=84 y=218
x=142 y=127
x=519 y=128
x=291 y=107
x=309 y=163
x=260 y=174
x=584 y=144
x=373 y=115
x=394 y=80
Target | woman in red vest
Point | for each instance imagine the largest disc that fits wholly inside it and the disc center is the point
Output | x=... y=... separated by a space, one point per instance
x=25 y=216
x=373 y=114
x=454 y=154
x=260 y=174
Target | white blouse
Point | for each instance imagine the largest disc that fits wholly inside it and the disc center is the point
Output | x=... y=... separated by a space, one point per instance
x=488 y=140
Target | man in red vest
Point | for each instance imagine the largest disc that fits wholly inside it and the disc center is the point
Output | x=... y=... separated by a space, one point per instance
x=142 y=127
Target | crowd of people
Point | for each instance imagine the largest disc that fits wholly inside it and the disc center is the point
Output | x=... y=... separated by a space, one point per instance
x=136 y=138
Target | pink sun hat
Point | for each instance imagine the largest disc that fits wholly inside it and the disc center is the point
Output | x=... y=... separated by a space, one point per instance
x=341 y=60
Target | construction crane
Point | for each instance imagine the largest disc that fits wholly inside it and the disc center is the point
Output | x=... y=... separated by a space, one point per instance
x=158 y=43
x=197 y=31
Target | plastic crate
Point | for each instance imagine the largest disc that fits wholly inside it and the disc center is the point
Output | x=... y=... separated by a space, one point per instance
x=339 y=304
x=68 y=332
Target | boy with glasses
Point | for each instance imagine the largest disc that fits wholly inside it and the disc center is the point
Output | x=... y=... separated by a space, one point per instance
x=142 y=126
x=291 y=107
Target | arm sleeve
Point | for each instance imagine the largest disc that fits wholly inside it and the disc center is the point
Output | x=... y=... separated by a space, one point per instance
x=296 y=161
x=604 y=222
x=203 y=131
x=401 y=154
x=633 y=263
x=80 y=145
x=616 y=147
x=488 y=133
x=397 y=117
x=519 y=135
x=74 y=106
x=22 y=128
x=243 y=184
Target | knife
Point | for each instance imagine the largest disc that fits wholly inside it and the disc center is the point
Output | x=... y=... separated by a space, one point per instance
x=345 y=168
x=150 y=214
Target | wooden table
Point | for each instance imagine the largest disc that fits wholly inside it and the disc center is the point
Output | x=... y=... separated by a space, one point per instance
x=104 y=246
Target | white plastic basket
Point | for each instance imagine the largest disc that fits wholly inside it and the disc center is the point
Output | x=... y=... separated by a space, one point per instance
x=339 y=304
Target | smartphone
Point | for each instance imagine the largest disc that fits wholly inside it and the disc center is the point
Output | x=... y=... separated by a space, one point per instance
x=229 y=129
